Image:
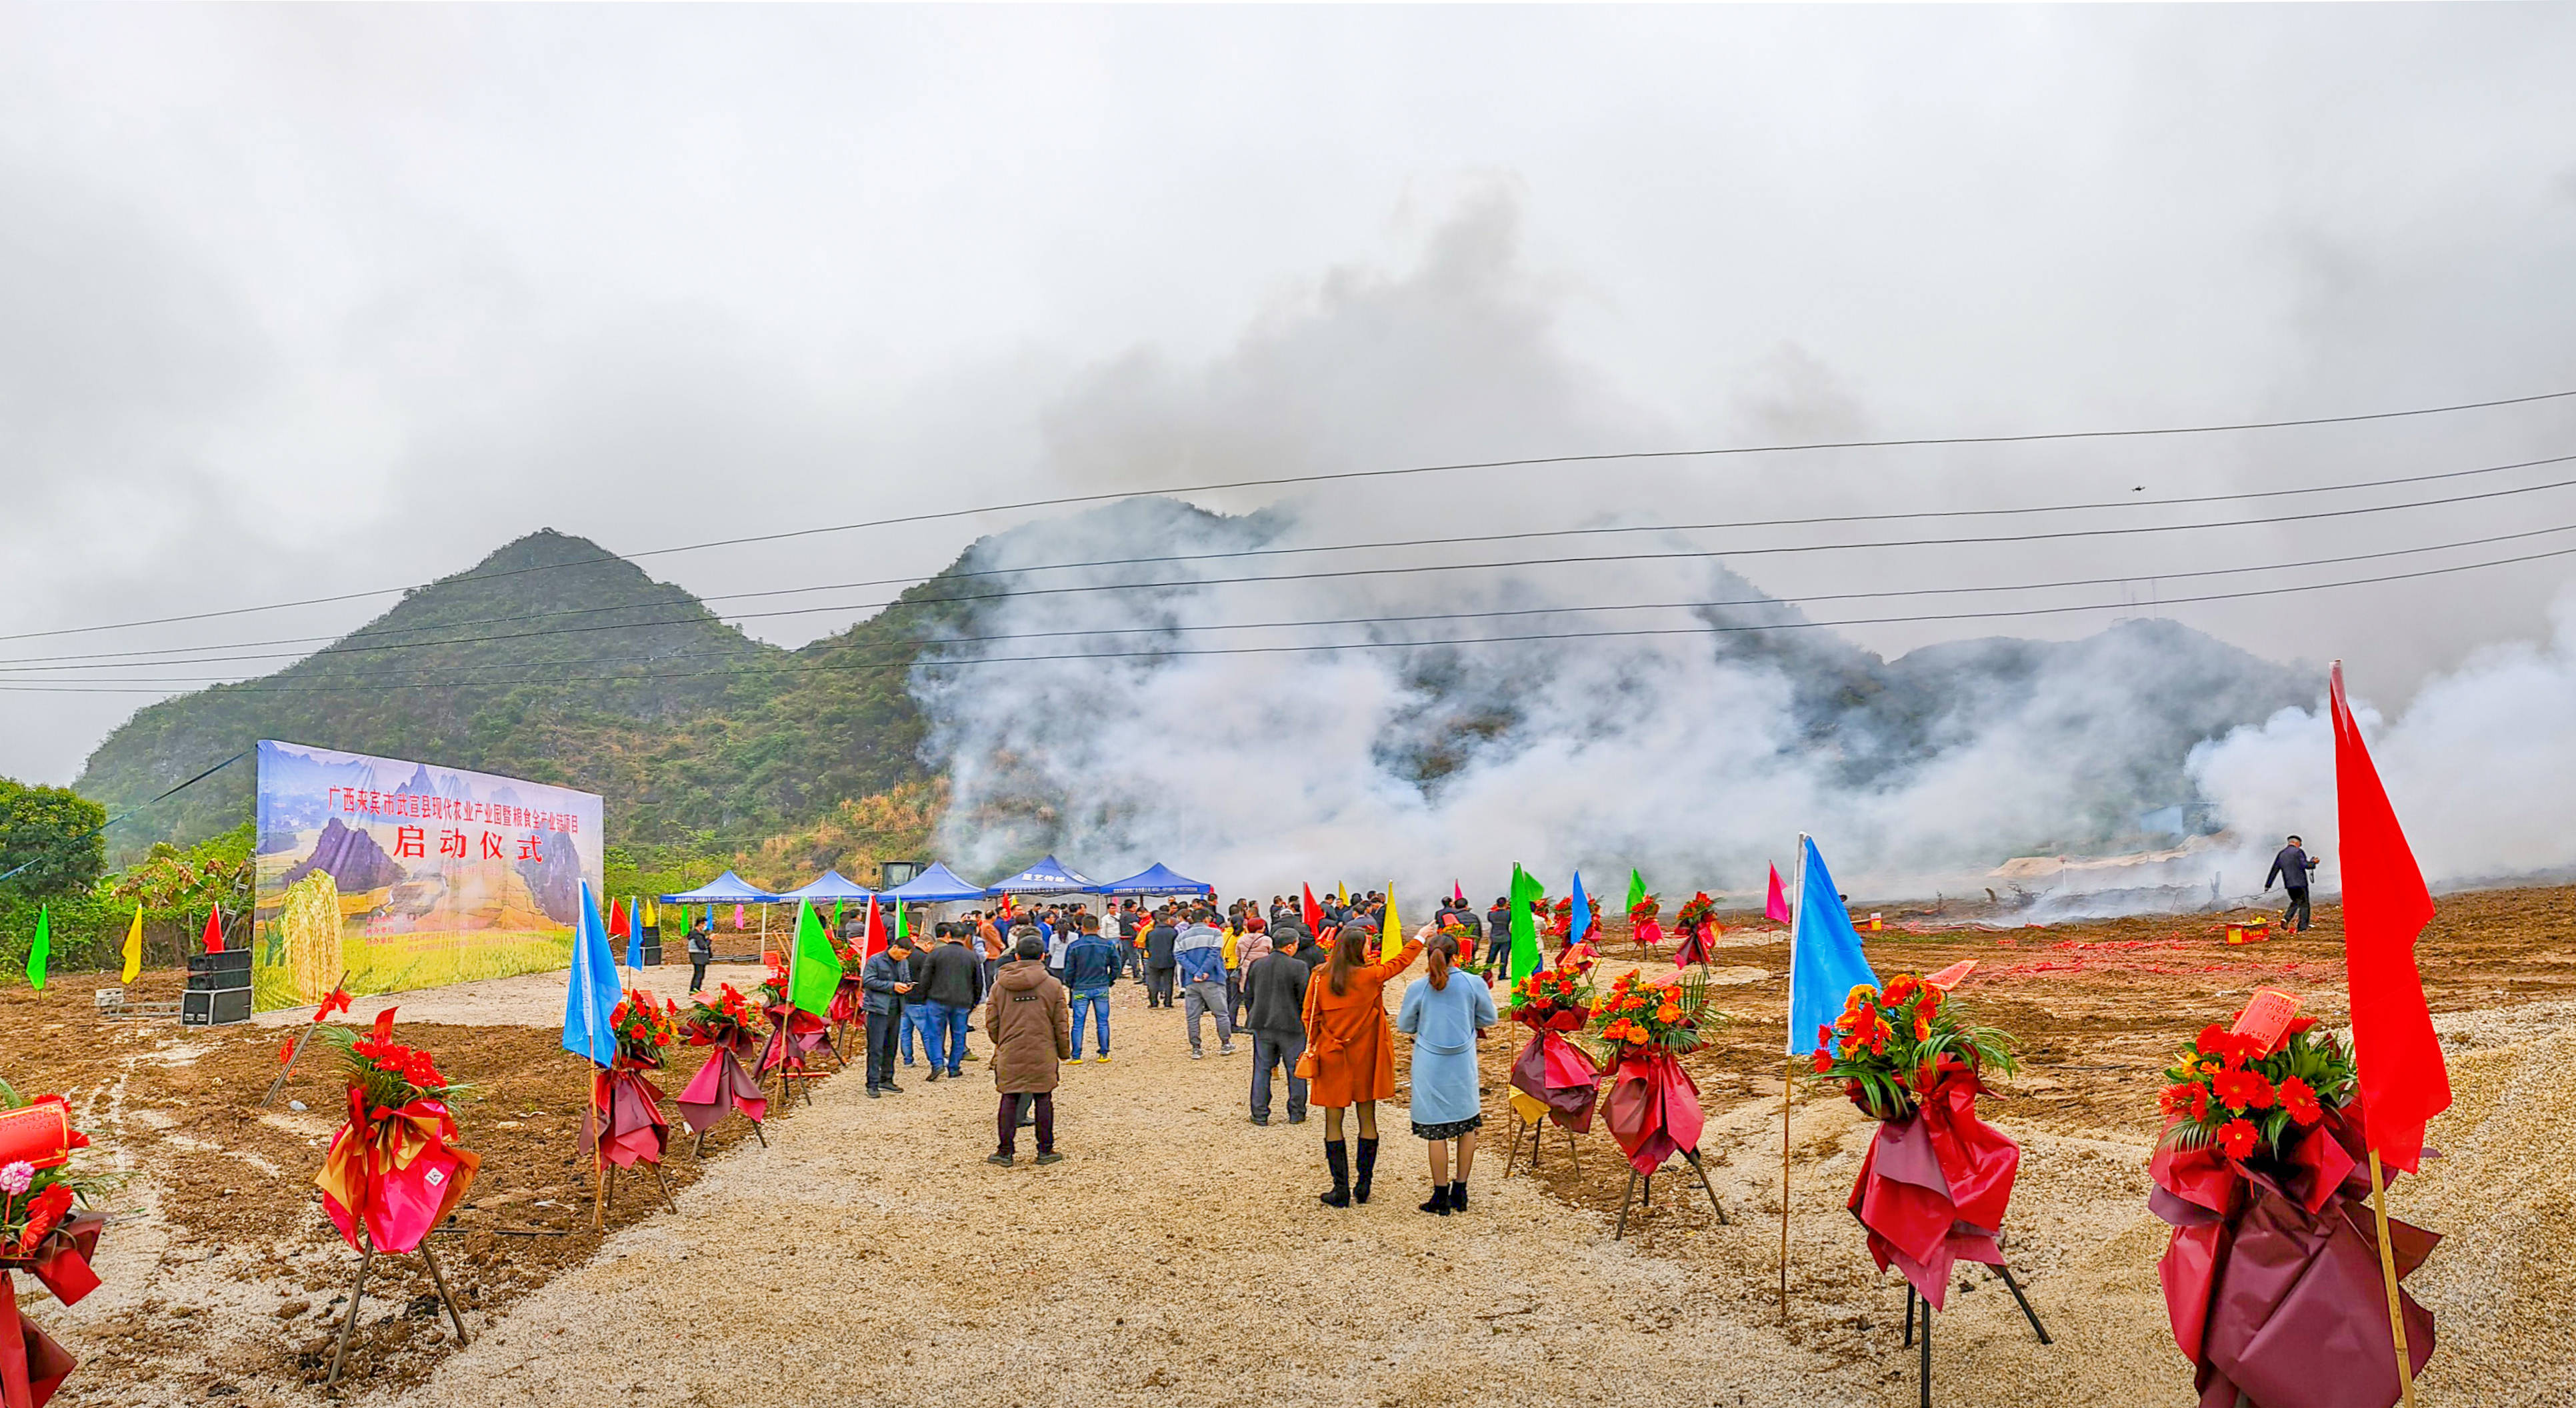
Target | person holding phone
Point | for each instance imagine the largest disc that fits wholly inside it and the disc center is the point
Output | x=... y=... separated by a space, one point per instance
x=885 y=981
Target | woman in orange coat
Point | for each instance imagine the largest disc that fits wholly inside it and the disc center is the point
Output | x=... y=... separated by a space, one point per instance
x=1351 y=1050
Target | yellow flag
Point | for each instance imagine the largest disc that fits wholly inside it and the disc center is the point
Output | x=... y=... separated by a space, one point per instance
x=134 y=947
x=1342 y=894
x=1393 y=935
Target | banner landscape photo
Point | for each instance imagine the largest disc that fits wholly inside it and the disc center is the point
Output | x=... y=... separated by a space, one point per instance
x=408 y=875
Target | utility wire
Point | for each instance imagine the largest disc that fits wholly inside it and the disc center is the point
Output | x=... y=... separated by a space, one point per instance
x=1276 y=481
x=1161 y=654
x=349 y=643
x=448 y=671
x=1409 y=569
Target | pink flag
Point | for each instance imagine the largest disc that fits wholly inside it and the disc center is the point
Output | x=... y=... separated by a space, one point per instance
x=1776 y=907
x=1458 y=892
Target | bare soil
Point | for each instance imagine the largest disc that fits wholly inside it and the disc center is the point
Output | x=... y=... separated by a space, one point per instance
x=1178 y=1254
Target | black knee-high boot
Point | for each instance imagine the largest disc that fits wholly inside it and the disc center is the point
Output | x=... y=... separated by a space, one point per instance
x=1338 y=1159
x=1367 y=1169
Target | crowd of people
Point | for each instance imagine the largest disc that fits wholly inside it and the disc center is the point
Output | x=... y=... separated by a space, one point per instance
x=1304 y=989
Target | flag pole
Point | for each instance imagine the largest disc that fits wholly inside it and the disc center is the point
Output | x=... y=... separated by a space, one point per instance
x=1789 y=1069
x=2388 y=1272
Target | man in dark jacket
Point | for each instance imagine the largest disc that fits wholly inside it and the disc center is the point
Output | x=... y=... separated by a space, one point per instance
x=1275 y=986
x=1160 y=962
x=1090 y=966
x=917 y=966
x=1498 y=924
x=884 y=981
x=702 y=951
x=2291 y=868
x=952 y=983
x=1306 y=951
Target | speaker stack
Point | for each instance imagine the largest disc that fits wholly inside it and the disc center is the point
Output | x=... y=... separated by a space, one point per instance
x=218 y=989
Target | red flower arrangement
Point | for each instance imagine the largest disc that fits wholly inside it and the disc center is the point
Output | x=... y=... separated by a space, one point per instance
x=1646 y=908
x=41 y=1235
x=2224 y=1090
x=394 y=1168
x=714 y=1023
x=642 y=1028
x=1640 y=1016
x=1644 y=1028
x=1560 y=923
x=2262 y=1174
x=1553 y=1000
x=1697 y=910
x=1891 y=1049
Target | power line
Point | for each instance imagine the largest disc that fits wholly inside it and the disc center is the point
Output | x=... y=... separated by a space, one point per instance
x=1407 y=569
x=378 y=635
x=1277 y=481
x=1697 y=629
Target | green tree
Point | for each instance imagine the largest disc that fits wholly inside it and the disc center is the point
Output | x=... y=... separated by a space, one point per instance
x=57 y=834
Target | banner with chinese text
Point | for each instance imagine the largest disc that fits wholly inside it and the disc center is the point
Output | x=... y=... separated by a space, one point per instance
x=406 y=875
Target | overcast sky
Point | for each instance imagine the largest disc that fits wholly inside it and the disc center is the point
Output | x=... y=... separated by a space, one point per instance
x=308 y=300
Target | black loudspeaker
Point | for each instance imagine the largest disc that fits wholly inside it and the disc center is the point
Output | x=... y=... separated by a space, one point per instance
x=230 y=961
x=199 y=1008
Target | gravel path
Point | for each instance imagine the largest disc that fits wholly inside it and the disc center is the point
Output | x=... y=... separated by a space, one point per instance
x=1176 y=1255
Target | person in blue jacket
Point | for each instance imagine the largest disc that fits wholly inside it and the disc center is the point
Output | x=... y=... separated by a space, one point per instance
x=1444 y=1011
x=1091 y=966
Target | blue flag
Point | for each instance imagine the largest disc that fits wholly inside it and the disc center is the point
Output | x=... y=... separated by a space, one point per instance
x=591 y=990
x=1581 y=914
x=1825 y=961
x=634 y=934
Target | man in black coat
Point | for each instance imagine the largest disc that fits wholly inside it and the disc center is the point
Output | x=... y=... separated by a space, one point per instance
x=1160 y=962
x=952 y=984
x=2291 y=868
x=1275 y=988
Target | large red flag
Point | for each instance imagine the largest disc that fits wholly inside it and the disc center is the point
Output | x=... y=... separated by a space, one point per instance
x=1314 y=911
x=2385 y=906
x=617 y=919
x=1775 y=906
x=876 y=939
x=214 y=939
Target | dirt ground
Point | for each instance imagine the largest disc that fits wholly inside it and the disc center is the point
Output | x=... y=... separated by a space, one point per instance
x=868 y=1255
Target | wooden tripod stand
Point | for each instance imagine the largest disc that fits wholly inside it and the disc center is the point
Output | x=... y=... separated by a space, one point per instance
x=358 y=1296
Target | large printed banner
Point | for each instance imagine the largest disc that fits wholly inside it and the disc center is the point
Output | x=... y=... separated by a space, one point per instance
x=403 y=875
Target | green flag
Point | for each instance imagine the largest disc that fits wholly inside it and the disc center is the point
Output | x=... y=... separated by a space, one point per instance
x=813 y=971
x=836 y=920
x=902 y=929
x=42 y=948
x=1525 y=891
x=1636 y=889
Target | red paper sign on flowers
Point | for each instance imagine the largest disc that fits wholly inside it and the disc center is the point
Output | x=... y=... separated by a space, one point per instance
x=42 y=1235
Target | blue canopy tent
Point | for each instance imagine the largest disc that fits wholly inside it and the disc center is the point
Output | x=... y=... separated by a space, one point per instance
x=727 y=888
x=937 y=885
x=830 y=885
x=1158 y=879
x=1048 y=877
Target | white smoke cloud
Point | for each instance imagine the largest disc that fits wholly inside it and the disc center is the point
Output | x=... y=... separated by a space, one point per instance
x=1696 y=756
x=2481 y=766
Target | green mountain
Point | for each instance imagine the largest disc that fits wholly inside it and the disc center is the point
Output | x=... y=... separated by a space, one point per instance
x=557 y=661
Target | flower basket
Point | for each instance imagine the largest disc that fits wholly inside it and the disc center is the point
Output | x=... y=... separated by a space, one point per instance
x=1936 y=1180
x=1644 y=1029
x=1550 y=1069
x=1695 y=932
x=2271 y=1274
x=394 y=1170
x=43 y=1235
x=722 y=1084
x=626 y=1125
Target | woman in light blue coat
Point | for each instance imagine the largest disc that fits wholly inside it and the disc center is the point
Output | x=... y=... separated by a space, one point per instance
x=1444 y=1011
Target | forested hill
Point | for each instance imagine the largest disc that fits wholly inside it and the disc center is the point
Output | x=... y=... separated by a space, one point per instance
x=557 y=661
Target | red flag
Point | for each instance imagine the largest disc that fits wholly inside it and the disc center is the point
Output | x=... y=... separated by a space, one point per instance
x=214 y=931
x=876 y=929
x=1776 y=907
x=617 y=919
x=1314 y=911
x=2385 y=906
